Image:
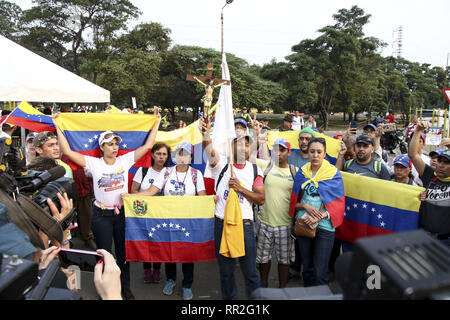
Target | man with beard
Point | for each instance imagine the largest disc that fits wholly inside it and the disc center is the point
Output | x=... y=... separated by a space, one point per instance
x=364 y=164
x=300 y=158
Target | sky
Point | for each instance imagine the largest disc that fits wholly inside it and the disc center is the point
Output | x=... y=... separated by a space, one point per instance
x=261 y=30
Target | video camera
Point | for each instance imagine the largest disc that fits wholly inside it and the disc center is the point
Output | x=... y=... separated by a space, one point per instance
x=25 y=193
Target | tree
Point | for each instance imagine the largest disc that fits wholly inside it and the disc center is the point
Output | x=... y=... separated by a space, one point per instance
x=10 y=14
x=71 y=22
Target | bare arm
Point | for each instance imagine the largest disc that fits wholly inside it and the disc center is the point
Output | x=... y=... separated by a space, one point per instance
x=340 y=159
x=213 y=156
x=76 y=157
x=149 y=192
x=413 y=150
x=142 y=150
x=220 y=84
x=135 y=187
x=200 y=81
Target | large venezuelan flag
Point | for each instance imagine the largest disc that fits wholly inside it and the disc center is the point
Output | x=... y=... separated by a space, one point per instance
x=333 y=145
x=169 y=229
x=377 y=207
x=30 y=118
x=82 y=131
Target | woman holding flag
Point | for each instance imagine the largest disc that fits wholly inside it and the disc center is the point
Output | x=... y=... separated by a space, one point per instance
x=110 y=177
x=318 y=199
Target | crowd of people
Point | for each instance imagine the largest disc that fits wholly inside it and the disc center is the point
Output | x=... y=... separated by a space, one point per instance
x=264 y=184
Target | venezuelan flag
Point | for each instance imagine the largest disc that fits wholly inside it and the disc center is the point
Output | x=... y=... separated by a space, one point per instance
x=82 y=131
x=333 y=145
x=377 y=207
x=330 y=186
x=169 y=229
x=30 y=118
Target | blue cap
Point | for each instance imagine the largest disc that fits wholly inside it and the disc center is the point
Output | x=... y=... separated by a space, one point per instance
x=241 y=121
x=282 y=142
x=403 y=159
x=370 y=125
x=184 y=146
x=444 y=153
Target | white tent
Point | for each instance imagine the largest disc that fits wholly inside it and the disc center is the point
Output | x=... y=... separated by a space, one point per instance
x=27 y=76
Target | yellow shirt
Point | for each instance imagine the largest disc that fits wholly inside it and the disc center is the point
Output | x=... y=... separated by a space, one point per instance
x=278 y=189
x=69 y=173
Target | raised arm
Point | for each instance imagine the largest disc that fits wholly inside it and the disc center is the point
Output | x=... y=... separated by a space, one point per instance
x=199 y=81
x=413 y=150
x=340 y=160
x=75 y=157
x=205 y=128
x=142 y=150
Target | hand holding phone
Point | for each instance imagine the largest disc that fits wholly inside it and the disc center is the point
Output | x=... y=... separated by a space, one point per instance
x=85 y=260
x=107 y=277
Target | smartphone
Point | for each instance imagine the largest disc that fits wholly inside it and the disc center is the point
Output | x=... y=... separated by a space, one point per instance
x=354 y=125
x=85 y=260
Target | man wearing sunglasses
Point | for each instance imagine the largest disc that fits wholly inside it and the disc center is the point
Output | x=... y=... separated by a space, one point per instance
x=46 y=146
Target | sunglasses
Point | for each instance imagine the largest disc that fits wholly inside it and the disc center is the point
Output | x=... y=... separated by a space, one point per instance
x=109 y=135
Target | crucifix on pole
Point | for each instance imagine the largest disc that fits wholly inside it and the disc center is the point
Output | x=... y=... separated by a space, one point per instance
x=210 y=84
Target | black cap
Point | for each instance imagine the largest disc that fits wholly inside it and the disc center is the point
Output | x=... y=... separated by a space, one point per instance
x=288 y=118
x=364 y=138
x=239 y=137
x=265 y=119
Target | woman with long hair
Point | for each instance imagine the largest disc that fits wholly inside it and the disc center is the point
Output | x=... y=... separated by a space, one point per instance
x=143 y=180
x=179 y=180
x=318 y=199
x=110 y=178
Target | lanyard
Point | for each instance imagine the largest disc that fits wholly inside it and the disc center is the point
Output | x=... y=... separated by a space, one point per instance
x=176 y=175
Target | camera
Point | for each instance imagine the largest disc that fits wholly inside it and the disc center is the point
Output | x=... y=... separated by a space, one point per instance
x=25 y=194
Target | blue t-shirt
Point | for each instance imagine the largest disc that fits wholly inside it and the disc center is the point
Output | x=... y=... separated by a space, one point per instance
x=311 y=196
x=297 y=160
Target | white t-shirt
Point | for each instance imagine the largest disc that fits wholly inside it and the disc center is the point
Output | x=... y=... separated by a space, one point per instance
x=245 y=176
x=148 y=180
x=110 y=181
x=179 y=183
x=414 y=172
x=297 y=123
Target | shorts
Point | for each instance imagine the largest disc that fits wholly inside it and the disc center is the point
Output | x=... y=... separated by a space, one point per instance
x=275 y=238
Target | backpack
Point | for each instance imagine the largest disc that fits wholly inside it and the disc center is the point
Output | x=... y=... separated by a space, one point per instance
x=194 y=173
x=255 y=173
x=376 y=166
x=270 y=166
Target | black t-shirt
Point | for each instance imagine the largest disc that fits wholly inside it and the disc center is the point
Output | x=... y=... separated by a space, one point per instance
x=435 y=210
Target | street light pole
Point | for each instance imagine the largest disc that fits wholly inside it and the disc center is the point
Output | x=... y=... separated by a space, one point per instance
x=221 y=18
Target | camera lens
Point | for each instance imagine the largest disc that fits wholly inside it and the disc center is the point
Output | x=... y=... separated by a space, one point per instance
x=51 y=190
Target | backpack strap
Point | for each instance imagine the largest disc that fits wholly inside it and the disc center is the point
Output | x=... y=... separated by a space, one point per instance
x=266 y=172
x=255 y=171
x=348 y=163
x=144 y=172
x=293 y=171
x=221 y=174
x=377 y=167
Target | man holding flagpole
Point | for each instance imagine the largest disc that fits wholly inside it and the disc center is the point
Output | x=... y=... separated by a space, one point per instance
x=245 y=179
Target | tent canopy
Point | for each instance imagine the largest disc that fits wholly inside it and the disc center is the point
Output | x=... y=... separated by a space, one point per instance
x=27 y=76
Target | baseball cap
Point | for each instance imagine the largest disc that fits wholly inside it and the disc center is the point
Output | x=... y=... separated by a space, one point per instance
x=265 y=119
x=7 y=126
x=288 y=118
x=246 y=136
x=444 y=153
x=282 y=142
x=434 y=153
x=370 y=125
x=337 y=135
x=186 y=146
x=31 y=135
x=364 y=139
x=43 y=137
x=404 y=160
x=240 y=121
x=108 y=136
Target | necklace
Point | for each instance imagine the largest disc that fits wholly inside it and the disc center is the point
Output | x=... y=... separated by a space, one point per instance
x=183 y=189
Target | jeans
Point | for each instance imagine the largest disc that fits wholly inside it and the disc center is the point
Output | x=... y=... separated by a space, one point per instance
x=156 y=265
x=188 y=273
x=315 y=254
x=106 y=226
x=247 y=263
